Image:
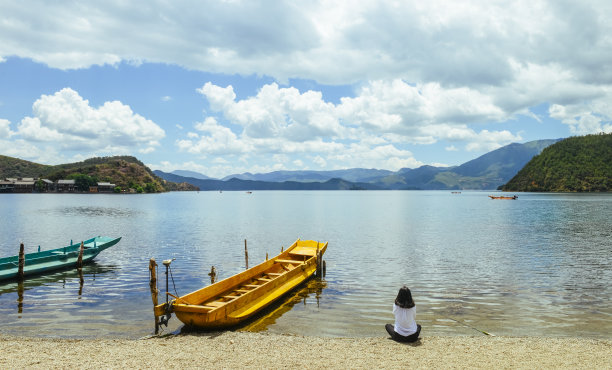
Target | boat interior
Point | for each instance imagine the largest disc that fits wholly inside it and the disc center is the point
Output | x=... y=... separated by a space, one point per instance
x=277 y=268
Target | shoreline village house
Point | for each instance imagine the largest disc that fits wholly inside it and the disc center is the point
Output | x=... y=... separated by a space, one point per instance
x=48 y=185
x=102 y=187
x=65 y=186
x=6 y=186
x=25 y=185
x=33 y=185
x=106 y=187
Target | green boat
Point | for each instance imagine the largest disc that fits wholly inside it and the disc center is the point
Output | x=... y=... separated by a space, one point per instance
x=55 y=259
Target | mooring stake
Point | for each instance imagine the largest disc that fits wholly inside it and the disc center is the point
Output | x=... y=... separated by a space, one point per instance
x=21 y=264
x=154 y=291
x=246 y=254
x=213 y=275
x=79 y=263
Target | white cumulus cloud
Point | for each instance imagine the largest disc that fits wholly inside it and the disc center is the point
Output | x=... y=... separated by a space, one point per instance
x=5 y=129
x=66 y=119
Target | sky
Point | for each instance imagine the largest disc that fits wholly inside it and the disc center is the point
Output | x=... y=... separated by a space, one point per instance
x=226 y=87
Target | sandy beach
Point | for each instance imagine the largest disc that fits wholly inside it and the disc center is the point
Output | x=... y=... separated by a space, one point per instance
x=255 y=350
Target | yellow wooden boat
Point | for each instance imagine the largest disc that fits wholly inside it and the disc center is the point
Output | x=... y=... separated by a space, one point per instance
x=234 y=300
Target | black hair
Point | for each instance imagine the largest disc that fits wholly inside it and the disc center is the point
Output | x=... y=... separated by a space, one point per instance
x=404 y=298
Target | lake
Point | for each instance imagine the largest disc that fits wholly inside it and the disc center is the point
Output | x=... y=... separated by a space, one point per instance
x=536 y=266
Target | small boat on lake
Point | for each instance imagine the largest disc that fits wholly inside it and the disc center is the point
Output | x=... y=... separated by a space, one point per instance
x=503 y=197
x=55 y=259
x=234 y=300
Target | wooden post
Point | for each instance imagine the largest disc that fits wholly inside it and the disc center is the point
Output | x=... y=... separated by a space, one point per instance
x=246 y=254
x=213 y=275
x=21 y=264
x=154 y=291
x=266 y=256
x=319 y=269
x=79 y=263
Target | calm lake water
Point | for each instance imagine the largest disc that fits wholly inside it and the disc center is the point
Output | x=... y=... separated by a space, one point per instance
x=536 y=266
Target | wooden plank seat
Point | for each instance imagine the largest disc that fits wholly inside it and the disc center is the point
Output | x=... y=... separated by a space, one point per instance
x=274 y=273
x=252 y=286
x=242 y=290
x=230 y=296
x=289 y=261
x=214 y=304
x=264 y=279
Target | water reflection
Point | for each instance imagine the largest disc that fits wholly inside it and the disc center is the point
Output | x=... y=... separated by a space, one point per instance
x=535 y=266
x=314 y=288
x=63 y=279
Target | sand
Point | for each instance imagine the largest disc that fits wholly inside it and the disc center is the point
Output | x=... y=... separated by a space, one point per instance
x=255 y=350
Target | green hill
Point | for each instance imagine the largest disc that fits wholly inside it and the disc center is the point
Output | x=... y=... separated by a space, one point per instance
x=124 y=171
x=13 y=167
x=576 y=164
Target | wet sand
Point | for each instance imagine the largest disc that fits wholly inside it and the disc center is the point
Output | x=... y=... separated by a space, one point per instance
x=256 y=350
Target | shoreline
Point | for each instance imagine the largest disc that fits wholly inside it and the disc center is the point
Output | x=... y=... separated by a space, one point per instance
x=265 y=350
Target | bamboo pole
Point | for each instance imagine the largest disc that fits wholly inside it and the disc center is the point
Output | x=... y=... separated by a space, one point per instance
x=213 y=275
x=246 y=254
x=79 y=263
x=319 y=264
x=154 y=291
x=21 y=264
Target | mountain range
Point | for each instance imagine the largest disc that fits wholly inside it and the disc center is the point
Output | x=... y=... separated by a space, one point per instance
x=486 y=172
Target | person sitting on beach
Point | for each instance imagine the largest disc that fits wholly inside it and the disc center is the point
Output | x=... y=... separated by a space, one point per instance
x=405 y=329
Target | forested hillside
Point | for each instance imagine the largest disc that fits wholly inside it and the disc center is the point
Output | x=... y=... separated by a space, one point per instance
x=576 y=164
x=124 y=171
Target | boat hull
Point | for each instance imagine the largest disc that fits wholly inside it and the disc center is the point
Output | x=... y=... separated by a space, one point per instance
x=504 y=197
x=55 y=259
x=235 y=300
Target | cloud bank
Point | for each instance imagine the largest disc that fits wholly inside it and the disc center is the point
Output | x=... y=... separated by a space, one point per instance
x=423 y=72
x=65 y=122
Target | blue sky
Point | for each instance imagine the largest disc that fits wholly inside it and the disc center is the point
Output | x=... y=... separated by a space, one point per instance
x=224 y=87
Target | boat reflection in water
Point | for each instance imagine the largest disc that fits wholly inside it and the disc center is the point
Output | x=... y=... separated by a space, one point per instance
x=66 y=278
x=312 y=289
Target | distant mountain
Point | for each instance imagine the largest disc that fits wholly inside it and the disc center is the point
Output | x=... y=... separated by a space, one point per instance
x=576 y=164
x=193 y=174
x=353 y=175
x=124 y=171
x=240 y=184
x=488 y=171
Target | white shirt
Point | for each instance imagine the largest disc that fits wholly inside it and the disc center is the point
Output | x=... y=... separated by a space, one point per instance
x=405 y=320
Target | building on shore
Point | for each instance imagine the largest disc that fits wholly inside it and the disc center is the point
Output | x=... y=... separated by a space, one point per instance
x=106 y=187
x=48 y=185
x=65 y=186
x=6 y=186
x=33 y=185
x=25 y=185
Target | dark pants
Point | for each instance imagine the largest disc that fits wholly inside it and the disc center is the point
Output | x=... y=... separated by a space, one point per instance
x=400 y=338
